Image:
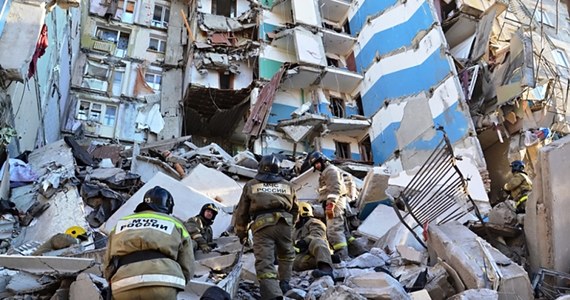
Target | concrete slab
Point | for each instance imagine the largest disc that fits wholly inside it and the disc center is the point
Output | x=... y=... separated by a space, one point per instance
x=377 y=224
x=84 y=288
x=476 y=294
x=373 y=189
x=24 y=283
x=58 y=152
x=420 y=295
x=219 y=263
x=248 y=269
x=546 y=223
x=214 y=184
x=66 y=209
x=458 y=246
x=43 y=265
x=411 y=255
x=187 y=203
x=377 y=286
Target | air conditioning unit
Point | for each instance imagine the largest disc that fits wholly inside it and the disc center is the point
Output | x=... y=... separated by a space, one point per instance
x=102 y=46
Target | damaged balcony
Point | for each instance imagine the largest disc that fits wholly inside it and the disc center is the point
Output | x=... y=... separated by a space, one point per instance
x=302 y=12
x=300 y=128
x=334 y=10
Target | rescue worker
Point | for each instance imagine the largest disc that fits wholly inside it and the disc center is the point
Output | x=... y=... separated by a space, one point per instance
x=519 y=185
x=333 y=197
x=200 y=228
x=269 y=203
x=311 y=244
x=149 y=254
x=72 y=236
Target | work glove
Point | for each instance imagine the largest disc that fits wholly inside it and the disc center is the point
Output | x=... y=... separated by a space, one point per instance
x=329 y=210
x=205 y=248
x=301 y=245
x=242 y=235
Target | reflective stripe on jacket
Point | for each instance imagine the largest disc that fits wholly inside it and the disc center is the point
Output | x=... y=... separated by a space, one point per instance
x=149 y=231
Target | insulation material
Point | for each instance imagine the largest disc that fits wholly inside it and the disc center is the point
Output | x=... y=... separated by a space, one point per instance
x=149 y=117
x=141 y=87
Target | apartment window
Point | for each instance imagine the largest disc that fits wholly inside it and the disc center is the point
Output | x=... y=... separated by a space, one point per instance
x=95 y=76
x=158 y=45
x=224 y=8
x=542 y=17
x=332 y=62
x=365 y=147
x=342 y=150
x=128 y=8
x=105 y=114
x=119 y=38
x=118 y=82
x=225 y=81
x=161 y=16
x=153 y=80
x=337 y=107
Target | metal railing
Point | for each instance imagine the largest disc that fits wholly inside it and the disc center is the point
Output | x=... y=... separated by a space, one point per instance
x=437 y=193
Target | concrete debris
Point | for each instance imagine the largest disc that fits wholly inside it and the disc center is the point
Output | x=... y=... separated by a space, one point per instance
x=411 y=255
x=458 y=246
x=438 y=285
x=296 y=294
x=214 y=184
x=503 y=214
x=377 y=286
x=87 y=286
x=366 y=260
x=24 y=283
x=373 y=190
x=319 y=287
x=420 y=295
x=341 y=292
x=477 y=294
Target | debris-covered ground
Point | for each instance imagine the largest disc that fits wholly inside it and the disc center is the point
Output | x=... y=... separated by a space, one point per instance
x=66 y=184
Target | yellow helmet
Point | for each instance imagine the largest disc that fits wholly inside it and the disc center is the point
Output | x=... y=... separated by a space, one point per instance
x=76 y=231
x=305 y=209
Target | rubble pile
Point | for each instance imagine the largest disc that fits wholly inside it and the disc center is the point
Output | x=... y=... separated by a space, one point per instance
x=389 y=258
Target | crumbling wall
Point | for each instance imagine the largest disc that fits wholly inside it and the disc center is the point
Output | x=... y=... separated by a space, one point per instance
x=410 y=86
x=546 y=221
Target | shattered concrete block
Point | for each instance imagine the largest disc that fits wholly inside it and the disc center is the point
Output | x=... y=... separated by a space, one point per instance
x=341 y=292
x=476 y=294
x=42 y=265
x=459 y=247
x=373 y=190
x=407 y=275
x=218 y=263
x=411 y=255
x=377 y=286
x=319 y=287
x=366 y=260
x=24 y=283
x=296 y=294
x=214 y=184
x=438 y=285
x=350 y=272
x=421 y=295
x=246 y=159
x=503 y=214
x=85 y=287
x=248 y=268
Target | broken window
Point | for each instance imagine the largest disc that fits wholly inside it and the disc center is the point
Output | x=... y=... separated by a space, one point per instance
x=95 y=76
x=118 y=82
x=358 y=100
x=97 y=112
x=153 y=80
x=332 y=62
x=161 y=16
x=342 y=150
x=158 y=45
x=337 y=107
x=542 y=17
x=128 y=8
x=225 y=8
x=561 y=61
x=365 y=149
x=225 y=81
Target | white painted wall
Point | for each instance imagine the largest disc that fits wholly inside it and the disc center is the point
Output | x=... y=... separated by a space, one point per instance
x=277 y=54
x=211 y=77
x=289 y=97
x=280 y=15
x=140 y=38
x=306 y=12
x=273 y=141
x=310 y=48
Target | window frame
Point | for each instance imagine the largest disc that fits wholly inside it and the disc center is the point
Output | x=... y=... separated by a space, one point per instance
x=541 y=16
x=340 y=149
x=154 y=83
x=232 y=12
x=162 y=23
x=86 y=115
x=160 y=42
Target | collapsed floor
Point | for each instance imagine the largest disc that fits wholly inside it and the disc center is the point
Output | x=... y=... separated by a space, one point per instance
x=66 y=184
